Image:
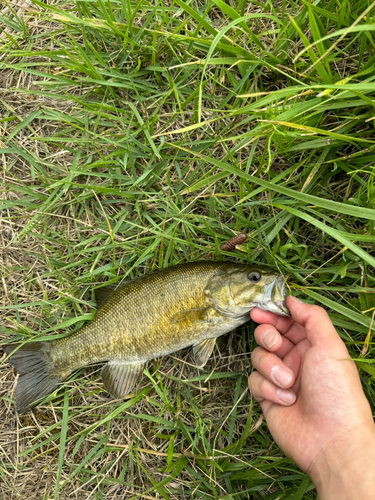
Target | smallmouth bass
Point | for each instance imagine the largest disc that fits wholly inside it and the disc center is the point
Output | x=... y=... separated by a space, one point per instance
x=145 y=318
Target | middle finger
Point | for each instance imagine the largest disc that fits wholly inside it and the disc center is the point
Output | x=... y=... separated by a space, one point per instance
x=272 y=367
x=268 y=337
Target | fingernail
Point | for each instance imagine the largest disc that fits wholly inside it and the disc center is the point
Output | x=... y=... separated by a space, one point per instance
x=287 y=397
x=282 y=376
x=268 y=338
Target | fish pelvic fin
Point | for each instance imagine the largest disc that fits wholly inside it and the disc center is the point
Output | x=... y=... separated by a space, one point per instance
x=37 y=376
x=119 y=377
x=203 y=351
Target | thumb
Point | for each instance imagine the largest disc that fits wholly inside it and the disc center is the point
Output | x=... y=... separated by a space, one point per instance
x=319 y=328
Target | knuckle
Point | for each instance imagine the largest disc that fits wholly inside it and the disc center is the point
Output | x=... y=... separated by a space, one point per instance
x=262 y=358
x=251 y=378
x=257 y=335
x=264 y=388
x=314 y=310
x=255 y=354
x=318 y=312
x=323 y=312
x=251 y=383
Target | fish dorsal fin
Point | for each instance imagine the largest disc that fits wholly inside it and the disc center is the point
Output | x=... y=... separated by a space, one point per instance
x=119 y=377
x=196 y=314
x=203 y=351
x=103 y=294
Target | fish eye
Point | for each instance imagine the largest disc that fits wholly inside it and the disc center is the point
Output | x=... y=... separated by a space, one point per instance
x=254 y=277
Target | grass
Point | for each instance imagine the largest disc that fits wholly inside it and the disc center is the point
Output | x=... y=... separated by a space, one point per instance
x=137 y=135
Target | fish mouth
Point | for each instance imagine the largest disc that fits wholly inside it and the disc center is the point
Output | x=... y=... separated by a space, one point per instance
x=280 y=308
x=274 y=298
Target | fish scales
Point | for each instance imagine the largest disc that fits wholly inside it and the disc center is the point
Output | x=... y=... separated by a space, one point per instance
x=142 y=319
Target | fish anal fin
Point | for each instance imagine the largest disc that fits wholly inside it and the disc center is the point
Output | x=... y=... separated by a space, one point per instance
x=119 y=377
x=203 y=351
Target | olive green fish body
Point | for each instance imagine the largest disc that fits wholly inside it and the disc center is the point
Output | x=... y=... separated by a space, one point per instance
x=151 y=316
x=147 y=318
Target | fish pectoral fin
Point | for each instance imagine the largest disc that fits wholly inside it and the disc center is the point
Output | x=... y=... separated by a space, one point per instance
x=203 y=351
x=196 y=314
x=119 y=377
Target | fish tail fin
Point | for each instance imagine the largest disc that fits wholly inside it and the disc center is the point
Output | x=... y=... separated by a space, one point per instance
x=37 y=373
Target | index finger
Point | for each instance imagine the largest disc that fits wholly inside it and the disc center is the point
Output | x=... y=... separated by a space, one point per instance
x=288 y=327
x=281 y=323
x=291 y=331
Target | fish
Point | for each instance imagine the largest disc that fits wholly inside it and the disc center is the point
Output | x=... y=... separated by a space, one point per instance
x=145 y=318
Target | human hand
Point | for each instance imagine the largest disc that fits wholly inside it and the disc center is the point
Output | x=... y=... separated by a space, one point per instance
x=311 y=396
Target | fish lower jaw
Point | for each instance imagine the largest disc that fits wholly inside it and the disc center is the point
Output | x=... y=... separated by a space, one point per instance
x=278 y=307
x=283 y=309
